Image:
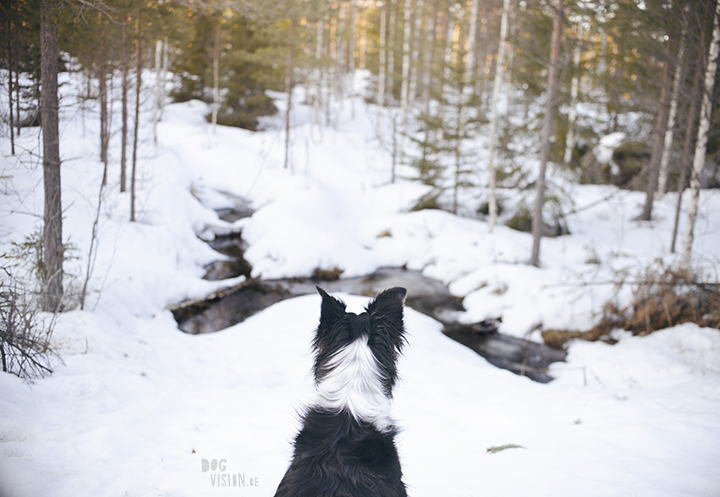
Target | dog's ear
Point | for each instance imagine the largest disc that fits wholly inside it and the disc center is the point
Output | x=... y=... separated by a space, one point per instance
x=331 y=310
x=386 y=313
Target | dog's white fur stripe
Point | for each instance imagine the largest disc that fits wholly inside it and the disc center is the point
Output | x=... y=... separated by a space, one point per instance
x=354 y=384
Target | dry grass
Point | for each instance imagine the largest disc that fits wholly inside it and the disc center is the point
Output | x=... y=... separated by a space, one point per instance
x=663 y=298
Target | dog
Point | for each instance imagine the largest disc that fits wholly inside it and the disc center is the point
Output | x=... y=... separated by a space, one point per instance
x=346 y=447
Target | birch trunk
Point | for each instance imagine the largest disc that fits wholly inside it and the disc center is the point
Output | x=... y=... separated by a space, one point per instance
x=318 y=72
x=430 y=60
x=353 y=42
x=470 y=69
x=574 y=89
x=416 y=50
x=692 y=114
x=701 y=144
x=216 y=78
x=17 y=88
x=405 y=83
x=10 y=87
x=391 y=50
x=289 y=75
x=351 y=59
x=492 y=203
x=156 y=100
x=138 y=87
x=547 y=130
x=447 y=59
x=124 y=92
x=381 y=72
x=102 y=77
x=667 y=144
x=654 y=167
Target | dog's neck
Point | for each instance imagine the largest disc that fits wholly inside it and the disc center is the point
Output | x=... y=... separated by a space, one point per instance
x=354 y=384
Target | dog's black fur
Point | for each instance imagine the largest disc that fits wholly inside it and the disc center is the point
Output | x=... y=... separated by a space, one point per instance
x=341 y=451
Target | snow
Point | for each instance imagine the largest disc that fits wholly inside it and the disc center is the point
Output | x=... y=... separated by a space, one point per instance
x=137 y=406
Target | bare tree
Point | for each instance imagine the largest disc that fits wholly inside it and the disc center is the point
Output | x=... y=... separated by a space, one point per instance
x=125 y=63
x=216 y=77
x=381 y=72
x=289 y=75
x=472 y=37
x=692 y=114
x=10 y=85
x=701 y=144
x=138 y=87
x=492 y=203
x=670 y=128
x=49 y=107
x=405 y=83
x=104 y=119
x=574 y=89
x=661 y=126
x=550 y=107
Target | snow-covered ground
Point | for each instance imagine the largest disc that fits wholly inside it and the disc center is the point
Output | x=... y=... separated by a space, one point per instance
x=138 y=406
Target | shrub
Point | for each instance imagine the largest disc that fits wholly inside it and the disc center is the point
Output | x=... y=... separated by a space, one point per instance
x=663 y=298
x=25 y=348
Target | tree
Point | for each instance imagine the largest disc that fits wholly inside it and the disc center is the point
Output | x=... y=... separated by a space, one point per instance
x=702 y=139
x=692 y=114
x=670 y=127
x=49 y=107
x=570 y=140
x=492 y=203
x=138 y=87
x=550 y=106
x=405 y=82
x=125 y=69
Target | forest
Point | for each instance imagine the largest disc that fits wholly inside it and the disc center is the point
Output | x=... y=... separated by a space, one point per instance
x=542 y=176
x=462 y=86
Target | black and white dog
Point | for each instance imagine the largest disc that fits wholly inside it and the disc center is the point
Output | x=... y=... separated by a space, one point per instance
x=346 y=446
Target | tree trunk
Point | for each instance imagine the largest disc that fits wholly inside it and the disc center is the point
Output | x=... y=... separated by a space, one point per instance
x=138 y=87
x=470 y=69
x=692 y=114
x=669 y=131
x=352 y=43
x=124 y=132
x=416 y=50
x=550 y=107
x=574 y=88
x=430 y=60
x=318 y=71
x=216 y=78
x=351 y=57
x=102 y=78
x=492 y=202
x=405 y=83
x=10 y=86
x=289 y=87
x=381 y=71
x=49 y=108
x=156 y=100
x=701 y=144
x=654 y=167
x=391 y=49
x=447 y=60
x=16 y=60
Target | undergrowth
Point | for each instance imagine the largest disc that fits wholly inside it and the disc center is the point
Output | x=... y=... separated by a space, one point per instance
x=662 y=298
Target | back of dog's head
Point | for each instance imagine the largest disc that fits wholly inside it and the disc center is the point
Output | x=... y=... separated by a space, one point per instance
x=381 y=326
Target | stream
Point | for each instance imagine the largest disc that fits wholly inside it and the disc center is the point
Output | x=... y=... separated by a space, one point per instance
x=229 y=306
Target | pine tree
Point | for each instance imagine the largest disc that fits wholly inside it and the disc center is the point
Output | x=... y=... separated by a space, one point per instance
x=52 y=234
